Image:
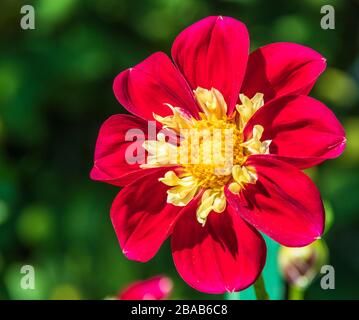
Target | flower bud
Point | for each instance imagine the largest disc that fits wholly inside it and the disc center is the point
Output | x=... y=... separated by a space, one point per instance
x=156 y=288
x=299 y=266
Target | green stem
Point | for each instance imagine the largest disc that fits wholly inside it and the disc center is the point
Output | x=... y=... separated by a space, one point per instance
x=260 y=289
x=295 y=293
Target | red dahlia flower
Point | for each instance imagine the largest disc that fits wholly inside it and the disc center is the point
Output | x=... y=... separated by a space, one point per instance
x=213 y=211
x=156 y=288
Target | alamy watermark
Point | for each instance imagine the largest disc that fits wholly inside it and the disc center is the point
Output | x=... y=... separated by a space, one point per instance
x=27 y=281
x=205 y=146
x=328 y=19
x=327 y=281
x=27 y=21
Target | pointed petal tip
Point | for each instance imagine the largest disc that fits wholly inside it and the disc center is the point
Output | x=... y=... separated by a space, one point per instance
x=156 y=77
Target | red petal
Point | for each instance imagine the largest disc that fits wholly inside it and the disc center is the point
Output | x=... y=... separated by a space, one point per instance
x=213 y=53
x=284 y=203
x=225 y=255
x=142 y=218
x=111 y=165
x=156 y=288
x=145 y=88
x=304 y=132
x=282 y=68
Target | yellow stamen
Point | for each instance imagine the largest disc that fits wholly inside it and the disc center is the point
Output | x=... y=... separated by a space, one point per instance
x=183 y=188
x=255 y=145
x=161 y=153
x=179 y=120
x=211 y=102
x=211 y=153
x=234 y=187
x=243 y=175
x=181 y=195
x=248 y=107
x=211 y=200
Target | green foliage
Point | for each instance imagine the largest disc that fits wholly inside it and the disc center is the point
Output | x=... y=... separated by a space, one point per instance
x=56 y=90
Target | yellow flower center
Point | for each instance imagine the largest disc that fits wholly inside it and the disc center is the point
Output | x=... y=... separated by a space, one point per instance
x=213 y=147
x=211 y=151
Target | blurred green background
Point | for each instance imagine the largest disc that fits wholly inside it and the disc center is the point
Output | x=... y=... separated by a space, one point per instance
x=55 y=92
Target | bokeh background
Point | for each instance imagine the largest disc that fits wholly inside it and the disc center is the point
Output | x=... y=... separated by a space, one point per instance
x=55 y=92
